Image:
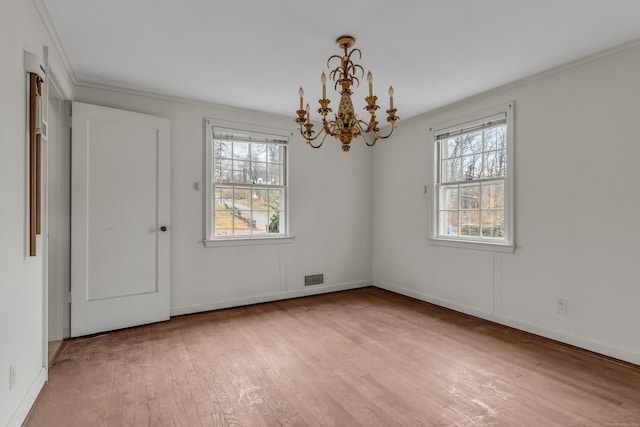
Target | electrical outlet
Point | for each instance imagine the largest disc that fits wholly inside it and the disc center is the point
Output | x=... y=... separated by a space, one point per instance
x=12 y=375
x=561 y=306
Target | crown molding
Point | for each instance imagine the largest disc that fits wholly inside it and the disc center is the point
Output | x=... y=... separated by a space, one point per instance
x=171 y=98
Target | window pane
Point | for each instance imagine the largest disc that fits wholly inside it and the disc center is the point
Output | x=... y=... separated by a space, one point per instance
x=275 y=174
x=276 y=199
x=452 y=170
x=493 y=224
x=241 y=172
x=469 y=196
x=495 y=138
x=495 y=163
x=449 y=198
x=493 y=195
x=260 y=221
x=242 y=198
x=275 y=153
x=221 y=149
x=490 y=139
x=223 y=197
x=470 y=223
x=241 y=150
x=222 y=171
x=449 y=223
x=260 y=197
x=223 y=222
x=223 y=202
x=472 y=143
x=243 y=219
x=259 y=173
x=259 y=152
x=501 y=138
x=276 y=222
x=471 y=167
x=453 y=147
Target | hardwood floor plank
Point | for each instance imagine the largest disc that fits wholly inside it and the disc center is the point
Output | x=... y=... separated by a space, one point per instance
x=366 y=357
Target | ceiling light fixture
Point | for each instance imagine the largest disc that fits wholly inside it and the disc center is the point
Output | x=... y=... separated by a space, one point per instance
x=346 y=124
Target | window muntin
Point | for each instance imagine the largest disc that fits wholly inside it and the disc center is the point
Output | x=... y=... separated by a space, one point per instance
x=472 y=199
x=247 y=184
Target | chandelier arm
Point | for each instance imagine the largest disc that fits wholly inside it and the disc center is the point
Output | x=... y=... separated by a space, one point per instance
x=305 y=135
x=364 y=132
x=373 y=142
x=321 y=142
x=378 y=136
x=308 y=138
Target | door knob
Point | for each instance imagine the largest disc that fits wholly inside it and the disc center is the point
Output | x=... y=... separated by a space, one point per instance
x=163 y=228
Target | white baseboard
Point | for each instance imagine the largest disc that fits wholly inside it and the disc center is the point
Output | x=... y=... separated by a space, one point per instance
x=595 y=346
x=28 y=400
x=275 y=296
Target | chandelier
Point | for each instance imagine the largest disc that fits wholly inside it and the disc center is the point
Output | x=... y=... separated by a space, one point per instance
x=346 y=125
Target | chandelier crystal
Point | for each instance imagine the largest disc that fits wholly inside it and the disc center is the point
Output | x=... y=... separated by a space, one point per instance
x=346 y=125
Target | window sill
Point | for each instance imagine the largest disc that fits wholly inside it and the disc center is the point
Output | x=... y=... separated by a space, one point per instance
x=248 y=241
x=468 y=244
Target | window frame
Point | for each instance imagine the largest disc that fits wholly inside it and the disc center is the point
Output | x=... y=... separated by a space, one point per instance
x=210 y=240
x=456 y=124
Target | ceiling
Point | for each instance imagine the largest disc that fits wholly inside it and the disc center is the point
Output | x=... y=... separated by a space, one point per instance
x=256 y=53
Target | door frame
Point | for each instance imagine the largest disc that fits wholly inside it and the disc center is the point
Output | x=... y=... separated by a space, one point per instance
x=63 y=92
x=58 y=287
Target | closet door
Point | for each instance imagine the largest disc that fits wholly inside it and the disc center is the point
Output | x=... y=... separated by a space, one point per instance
x=120 y=228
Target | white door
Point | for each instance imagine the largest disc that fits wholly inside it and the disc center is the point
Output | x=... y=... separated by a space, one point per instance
x=120 y=244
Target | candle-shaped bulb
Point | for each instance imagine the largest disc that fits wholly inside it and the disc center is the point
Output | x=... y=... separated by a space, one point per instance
x=301 y=93
x=308 y=112
x=370 y=80
x=391 y=97
x=323 y=80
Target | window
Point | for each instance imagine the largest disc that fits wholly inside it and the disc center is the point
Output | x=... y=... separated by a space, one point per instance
x=246 y=184
x=473 y=199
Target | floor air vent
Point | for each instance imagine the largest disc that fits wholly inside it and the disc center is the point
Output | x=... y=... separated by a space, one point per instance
x=314 y=279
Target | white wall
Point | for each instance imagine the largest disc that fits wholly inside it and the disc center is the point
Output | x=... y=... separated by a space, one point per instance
x=576 y=208
x=577 y=155
x=330 y=203
x=21 y=277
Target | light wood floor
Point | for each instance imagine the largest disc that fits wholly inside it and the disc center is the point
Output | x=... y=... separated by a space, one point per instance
x=358 y=358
